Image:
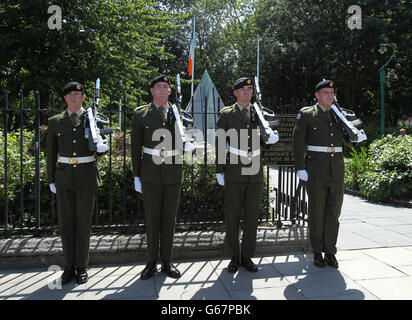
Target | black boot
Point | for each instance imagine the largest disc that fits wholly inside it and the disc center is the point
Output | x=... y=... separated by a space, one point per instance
x=68 y=275
x=248 y=264
x=170 y=269
x=318 y=260
x=330 y=259
x=81 y=275
x=149 y=270
x=233 y=265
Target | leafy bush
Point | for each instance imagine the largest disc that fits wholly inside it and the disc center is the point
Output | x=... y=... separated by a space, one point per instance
x=387 y=170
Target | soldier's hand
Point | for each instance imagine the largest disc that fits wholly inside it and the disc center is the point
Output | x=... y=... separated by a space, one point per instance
x=303 y=175
x=137 y=184
x=362 y=137
x=102 y=147
x=189 y=147
x=273 y=138
x=53 y=187
x=220 y=178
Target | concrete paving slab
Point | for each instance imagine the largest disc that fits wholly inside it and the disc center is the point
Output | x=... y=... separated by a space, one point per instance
x=405 y=269
x=294 y=265
x=402 y=229
x=369 y=268
x=277 y=293
x=391 y=256
x=350 y=240
x=387 y=238
x=390 y=288
x=327 y=283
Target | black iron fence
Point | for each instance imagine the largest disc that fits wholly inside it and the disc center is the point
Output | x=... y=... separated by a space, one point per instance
x=28 y=205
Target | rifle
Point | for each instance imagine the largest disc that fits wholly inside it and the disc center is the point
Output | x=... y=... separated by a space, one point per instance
x=178 y=116
x=95 y=122
x=263 y=114
x=342 y=115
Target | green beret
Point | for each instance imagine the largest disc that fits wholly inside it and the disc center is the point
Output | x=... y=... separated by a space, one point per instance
x=72 y=86
x=325 y=84
x=241 y=82
x=162 y=78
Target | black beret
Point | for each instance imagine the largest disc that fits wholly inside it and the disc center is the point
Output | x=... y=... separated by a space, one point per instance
x=325 y=84
x=241 y=82
x=72 y=86
x=162 y=78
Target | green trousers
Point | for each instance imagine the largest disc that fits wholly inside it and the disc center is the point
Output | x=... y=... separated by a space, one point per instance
x=325 y=203
x=242 y=198
x=161 y=202
x=74 y=213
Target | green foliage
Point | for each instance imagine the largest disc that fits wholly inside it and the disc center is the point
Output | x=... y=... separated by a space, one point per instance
x=386 y=173
x=355 y=167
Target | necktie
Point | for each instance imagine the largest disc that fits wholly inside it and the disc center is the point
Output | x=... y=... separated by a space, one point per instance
x=162 y=110
x=245 y=112
x=74 y=118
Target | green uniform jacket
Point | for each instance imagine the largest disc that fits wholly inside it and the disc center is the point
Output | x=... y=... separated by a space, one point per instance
x=147 y=119
x=67 y=140
x=231 y=118
x=317 y=128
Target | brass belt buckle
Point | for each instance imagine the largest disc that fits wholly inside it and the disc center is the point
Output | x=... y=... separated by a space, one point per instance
x=331 y=149
x=162 y=153
x=249 y=154
x=73 y=160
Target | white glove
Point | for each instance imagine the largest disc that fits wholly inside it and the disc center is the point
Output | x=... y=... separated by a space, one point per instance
x=137 y=184
x=53 y=187
x=273 y=138
x=102 y=147
x=220 y=178
x=303 y=175
x=362 y=137
x=189 y=147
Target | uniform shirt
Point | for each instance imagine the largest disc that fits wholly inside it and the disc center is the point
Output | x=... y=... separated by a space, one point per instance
x=232 y=118
x=68 y=140
x=316 y=127
x=146 y=120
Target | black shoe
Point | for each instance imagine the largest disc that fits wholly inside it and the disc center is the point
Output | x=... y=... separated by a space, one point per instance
x=149 y=270
x=68 y=275
x=248 y=264
x=331 y=260
x=170 y=269
x=318 y=260
x=233 y=265
x=81 y=275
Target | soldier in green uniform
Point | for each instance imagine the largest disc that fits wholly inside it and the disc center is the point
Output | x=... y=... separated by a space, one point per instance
x=73 y=176
x=157 y=168
x=318 y=150
x=242 y=181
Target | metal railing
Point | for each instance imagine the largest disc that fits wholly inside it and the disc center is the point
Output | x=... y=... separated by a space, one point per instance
x=34 y=206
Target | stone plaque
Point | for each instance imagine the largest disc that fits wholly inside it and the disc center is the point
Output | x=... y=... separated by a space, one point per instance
x=281 y=153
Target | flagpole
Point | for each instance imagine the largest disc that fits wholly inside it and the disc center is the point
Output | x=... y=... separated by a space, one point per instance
x=257 y=64
x=193 y=58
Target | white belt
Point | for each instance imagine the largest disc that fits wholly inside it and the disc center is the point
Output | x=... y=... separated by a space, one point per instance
x=325 y=149
x=161 y=153
x=242 y=153
x=76 y=160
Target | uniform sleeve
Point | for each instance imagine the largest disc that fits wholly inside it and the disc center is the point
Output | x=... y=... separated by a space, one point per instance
x=51 y=152
x=299 y=140
x=136 y=144
x=220 y=167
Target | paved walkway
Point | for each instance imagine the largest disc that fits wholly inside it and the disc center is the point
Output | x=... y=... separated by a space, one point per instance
x=375 y=262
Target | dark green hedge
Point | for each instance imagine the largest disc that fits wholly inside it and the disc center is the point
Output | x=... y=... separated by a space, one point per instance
x=383 y=171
